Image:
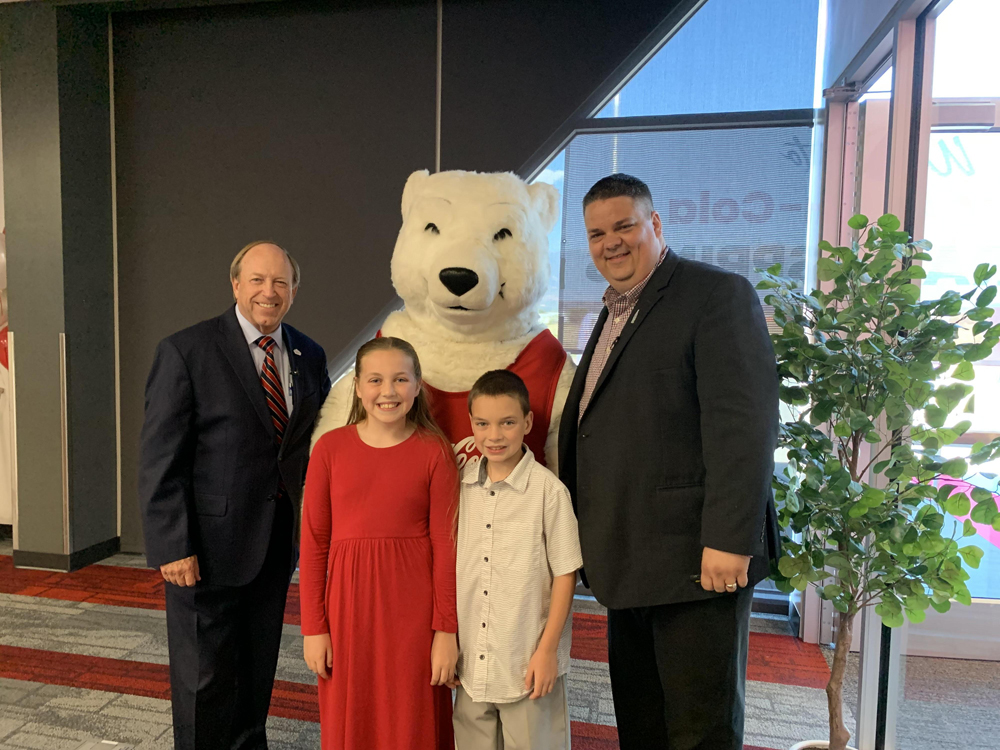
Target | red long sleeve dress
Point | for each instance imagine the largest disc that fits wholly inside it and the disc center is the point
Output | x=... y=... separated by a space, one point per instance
x=377 y=572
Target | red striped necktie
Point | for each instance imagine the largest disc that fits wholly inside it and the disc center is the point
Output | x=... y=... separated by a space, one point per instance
x=272 y=388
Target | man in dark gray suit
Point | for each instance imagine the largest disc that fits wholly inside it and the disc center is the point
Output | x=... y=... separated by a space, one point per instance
x=230 y=406
x=669 y=461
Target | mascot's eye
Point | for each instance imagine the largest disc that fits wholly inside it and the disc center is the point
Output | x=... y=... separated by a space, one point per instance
x=505 y=232
x=432 y=228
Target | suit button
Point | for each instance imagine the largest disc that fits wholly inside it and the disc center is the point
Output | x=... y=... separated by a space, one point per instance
x=584 y=435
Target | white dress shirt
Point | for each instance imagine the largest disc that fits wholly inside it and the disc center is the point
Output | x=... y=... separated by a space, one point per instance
x=514 y=537
x=281 y=359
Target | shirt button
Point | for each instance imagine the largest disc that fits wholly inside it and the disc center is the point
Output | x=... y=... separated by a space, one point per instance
x=482 y=656
x=488 y=526
x=484 y=624
x=492 y=493
x=486 y=559
x=486 y=593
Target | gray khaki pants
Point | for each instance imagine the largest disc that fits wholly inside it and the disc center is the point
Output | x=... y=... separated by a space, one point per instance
x=541 y=724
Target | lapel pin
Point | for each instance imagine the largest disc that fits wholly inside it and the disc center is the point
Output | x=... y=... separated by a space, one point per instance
x=634 y=316
x=297 y=352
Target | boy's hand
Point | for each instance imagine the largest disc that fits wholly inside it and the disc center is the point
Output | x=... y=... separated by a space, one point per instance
x=444 y=657
x=318 y=653
x=543 y=671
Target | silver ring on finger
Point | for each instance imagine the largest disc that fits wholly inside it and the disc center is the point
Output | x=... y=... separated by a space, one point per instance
x=730 y=587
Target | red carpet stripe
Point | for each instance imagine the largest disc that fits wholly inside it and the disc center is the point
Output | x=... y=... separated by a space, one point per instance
x=290 y=700
x=141 y=588
x=780 y=659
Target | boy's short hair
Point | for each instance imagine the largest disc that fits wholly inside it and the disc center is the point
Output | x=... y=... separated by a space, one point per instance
x=501 y=383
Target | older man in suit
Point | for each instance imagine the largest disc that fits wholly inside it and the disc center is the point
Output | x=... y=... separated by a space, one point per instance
x=669 y=462
x=230 y=405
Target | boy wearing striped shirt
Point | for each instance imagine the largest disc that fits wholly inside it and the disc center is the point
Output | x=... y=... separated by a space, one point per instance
x=518 y=553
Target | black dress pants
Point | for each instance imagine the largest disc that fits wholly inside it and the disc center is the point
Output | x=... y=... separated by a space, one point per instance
x=223 y=643
x=678 y=673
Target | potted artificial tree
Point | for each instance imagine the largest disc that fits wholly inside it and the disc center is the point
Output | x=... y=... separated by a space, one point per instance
x=874 y=375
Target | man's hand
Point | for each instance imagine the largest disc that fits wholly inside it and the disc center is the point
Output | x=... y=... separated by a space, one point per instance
x=318 y=653
x=444 y=658
x=543 y=671
x=182 y=572
x=723 y=571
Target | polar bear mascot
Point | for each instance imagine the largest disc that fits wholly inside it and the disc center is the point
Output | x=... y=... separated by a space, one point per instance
x=471 y=266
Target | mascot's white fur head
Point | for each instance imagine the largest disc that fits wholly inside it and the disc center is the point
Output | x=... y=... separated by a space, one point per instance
x=471 y=260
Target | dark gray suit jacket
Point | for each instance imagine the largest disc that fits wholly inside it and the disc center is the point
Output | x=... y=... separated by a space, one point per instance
x=675 y=450
x=209 y=466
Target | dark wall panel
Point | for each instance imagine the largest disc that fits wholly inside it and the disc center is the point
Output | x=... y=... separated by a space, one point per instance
x=514 y=71
x=293 y=122
x=88 y=273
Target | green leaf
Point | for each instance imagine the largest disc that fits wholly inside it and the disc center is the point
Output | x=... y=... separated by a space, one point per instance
x=832 y=591
x=964 y=371
x=958 y=504
x=941 y=606
x=971 y=555
x=911 y=292
x=858 y=221
x=979 y=275
x=857 y=510
x=915 y=615
x=969 y=528
x=893 y=619
x=828 y=269
x=788 y=566
x=986 y=296
x=888 y=222
x=956 y=467
x=981 y=494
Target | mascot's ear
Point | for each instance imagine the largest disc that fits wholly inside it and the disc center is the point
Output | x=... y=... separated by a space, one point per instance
x=414 y=183
x=545 y=200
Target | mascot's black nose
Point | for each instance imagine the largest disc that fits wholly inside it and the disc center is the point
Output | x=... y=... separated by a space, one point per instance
x=458 y=280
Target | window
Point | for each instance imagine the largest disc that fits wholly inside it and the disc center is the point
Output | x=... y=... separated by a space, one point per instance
x=731 y=56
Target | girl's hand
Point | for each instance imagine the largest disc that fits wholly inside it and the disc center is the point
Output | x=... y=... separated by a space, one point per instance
x=318 y=653
x=444 y=657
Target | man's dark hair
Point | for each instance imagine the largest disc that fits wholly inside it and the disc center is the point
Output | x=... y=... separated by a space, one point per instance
x=501 y=383
x=618 y=185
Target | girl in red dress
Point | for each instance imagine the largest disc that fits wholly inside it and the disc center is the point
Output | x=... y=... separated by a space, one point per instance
x=377 y=571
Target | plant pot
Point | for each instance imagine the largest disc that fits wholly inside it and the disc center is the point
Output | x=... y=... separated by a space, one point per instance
x=815 y=745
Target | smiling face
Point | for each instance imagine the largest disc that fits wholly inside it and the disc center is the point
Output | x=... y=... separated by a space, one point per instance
x=263 y=289
x=499 y=425
x=387 y=385
x=471 y=259
x=625 y=240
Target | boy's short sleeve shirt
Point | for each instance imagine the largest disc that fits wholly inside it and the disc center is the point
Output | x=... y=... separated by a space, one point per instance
x=514 y=537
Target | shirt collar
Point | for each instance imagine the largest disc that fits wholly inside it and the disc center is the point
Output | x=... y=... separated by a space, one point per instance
x=517 y=479
x=251 y=332
x=613 y=296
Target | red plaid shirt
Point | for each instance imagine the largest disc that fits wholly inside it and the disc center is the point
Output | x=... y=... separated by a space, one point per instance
x=620 y=307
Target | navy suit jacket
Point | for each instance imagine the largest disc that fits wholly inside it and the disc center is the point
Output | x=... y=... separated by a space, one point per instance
x=675 y=449
x=209 y=466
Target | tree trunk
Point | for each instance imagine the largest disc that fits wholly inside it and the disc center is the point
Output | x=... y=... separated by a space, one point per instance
x=839 y=736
